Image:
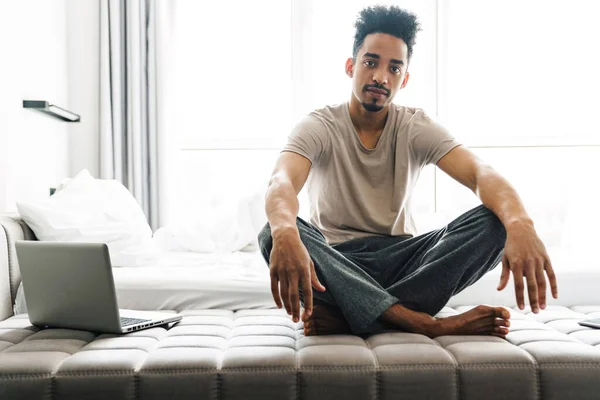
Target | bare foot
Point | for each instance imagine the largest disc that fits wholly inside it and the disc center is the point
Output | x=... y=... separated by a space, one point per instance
x=326 y=320
x=481 y=320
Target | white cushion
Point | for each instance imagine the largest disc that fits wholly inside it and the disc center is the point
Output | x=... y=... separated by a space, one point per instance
x=92 y=210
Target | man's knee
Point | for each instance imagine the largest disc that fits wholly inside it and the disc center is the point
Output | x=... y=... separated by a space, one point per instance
x=265 y=241
x=493 y=227
x=264 y=235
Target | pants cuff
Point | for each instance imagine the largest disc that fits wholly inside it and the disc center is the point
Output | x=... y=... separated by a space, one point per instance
x=369 y=323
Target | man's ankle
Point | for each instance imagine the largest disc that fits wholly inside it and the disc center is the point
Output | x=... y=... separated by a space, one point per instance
x=412 y=321
x=435 y=328
x=326 y=320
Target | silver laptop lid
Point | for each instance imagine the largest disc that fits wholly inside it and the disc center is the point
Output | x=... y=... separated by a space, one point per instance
x=69 y=285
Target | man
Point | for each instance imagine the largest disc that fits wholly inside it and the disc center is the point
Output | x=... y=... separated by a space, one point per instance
x=359 y=252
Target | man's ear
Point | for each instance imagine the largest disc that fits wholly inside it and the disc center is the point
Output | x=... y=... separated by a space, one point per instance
x=350 y=67
x=405 y=80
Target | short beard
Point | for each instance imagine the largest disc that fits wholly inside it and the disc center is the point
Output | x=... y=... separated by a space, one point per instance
x=371 y=107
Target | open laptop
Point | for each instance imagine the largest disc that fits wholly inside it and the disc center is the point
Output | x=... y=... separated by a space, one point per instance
x=70 y=285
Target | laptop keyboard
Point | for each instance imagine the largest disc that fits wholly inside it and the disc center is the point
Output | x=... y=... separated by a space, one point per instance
x=132 y=321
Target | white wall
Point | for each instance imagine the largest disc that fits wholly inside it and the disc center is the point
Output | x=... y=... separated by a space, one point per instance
x=83 y=64
x=33 y=147
x=51 y=52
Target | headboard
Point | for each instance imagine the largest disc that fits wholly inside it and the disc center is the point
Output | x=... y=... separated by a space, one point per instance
x=12 y=228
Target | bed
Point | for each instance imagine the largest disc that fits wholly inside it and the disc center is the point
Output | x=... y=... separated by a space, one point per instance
x=182 y=281
x=191 y=281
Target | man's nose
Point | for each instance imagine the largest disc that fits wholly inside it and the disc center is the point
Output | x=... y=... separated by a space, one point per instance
x=380 y=77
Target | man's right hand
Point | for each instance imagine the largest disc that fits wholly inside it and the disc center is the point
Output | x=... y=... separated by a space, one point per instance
x=291 y=267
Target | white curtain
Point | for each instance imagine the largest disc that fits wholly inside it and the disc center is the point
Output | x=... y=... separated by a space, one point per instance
x=129 y=135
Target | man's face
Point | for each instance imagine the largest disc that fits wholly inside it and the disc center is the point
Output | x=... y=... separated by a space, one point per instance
x=378 y=71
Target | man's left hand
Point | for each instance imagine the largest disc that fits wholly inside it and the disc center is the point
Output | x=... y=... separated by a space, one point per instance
x=525 y=255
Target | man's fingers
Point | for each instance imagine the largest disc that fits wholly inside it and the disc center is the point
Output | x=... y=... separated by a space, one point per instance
x=294 y=296
x=518 y=278
x=308 y=297
x=314 y=279
x=275 y=289
x=541 y=285
x=285 y=295
x=505 y=276
x=532 y=289
x=551 y=278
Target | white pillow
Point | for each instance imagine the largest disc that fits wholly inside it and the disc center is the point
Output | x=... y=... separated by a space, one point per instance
x=224 y=227
x=92 y=210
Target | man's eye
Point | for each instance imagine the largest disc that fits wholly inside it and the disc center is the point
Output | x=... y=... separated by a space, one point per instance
x=396 y=70
x=369 y=63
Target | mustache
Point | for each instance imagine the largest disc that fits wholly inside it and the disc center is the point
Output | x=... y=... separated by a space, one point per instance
x=380 y=87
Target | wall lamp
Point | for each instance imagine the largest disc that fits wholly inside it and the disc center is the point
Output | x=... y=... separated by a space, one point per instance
x=52 y=110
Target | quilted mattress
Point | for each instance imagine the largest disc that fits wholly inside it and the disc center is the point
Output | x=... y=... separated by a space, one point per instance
x=262 y=354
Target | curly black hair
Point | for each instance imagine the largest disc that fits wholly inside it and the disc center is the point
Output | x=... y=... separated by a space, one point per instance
x=392 y=20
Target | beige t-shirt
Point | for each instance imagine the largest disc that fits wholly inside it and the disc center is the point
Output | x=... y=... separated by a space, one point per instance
x=355 y=191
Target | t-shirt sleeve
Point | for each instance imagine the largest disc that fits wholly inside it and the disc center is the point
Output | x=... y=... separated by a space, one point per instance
x=430 y=140
x=308 y=138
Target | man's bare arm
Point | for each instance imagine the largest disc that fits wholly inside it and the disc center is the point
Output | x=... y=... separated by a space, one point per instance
x=495 y=192
x=281 y=203
x=290 y=263
x=524 y=253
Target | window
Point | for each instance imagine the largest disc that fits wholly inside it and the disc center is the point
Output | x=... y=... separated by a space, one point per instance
x=515 y=81
x=232 y=72
x=270 y=62
x=520 y=72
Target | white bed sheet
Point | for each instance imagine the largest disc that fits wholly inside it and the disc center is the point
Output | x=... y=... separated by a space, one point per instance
x=183 y=281
x=241 y=280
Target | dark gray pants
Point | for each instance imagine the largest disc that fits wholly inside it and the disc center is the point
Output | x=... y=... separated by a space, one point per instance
x=365 y=276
